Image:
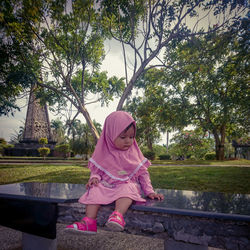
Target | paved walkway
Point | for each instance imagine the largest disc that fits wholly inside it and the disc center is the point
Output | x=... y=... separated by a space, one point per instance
x=104 y=240
x=12 y=240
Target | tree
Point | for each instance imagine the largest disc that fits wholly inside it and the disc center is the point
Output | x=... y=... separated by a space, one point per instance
x=43 y=141
x=62 y=37
x=43 y=151
x=82 y=143
x=148 y=29
x=64 y=149
x=64 y=42
x=3 y=146
x=147 y=132
x=14 y=77
x=145 y=108
x=211 y=73
x=58 y=131
x=17 y=136
x=152 y=112
x=191 y=143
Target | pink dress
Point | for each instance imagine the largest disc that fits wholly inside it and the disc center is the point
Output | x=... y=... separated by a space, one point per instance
x=121 y=173
x=109 y=190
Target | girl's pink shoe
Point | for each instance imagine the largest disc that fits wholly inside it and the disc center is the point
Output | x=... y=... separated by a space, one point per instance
x=86 y=226
x=116 y=222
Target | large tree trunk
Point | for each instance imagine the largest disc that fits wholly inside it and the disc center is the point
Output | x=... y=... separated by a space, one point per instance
x=90 y=123
x=167 y=141
x=129 y=87
x=220 y=143
x=220 y=152
x=150 y=145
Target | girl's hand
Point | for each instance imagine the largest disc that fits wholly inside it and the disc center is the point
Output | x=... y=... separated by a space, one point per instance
x=153 y=196
x=93 y=181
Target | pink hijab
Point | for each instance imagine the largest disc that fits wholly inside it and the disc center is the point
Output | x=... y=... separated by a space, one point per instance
x=117 y=164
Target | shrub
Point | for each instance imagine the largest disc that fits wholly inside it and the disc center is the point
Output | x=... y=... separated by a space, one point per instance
x=192 y=158
x=43 y=141
x=4 y=146
x=64 y=149
x=43 y=151
x=3 y=141
x=1 y=150
x=164 y=157
x=210 y=156
x=150 y=155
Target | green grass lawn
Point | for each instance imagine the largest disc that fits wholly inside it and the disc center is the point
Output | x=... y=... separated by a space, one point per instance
x=228 y=179
x=204 y=162
x=216 y=179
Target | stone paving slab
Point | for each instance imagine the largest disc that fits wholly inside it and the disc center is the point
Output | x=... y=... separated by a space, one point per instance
x=104 y=240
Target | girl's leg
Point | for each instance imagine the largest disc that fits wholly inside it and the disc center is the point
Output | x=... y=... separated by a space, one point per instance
x=122 y=205
x=88 y=224
x=92 y=210
x=116 y=221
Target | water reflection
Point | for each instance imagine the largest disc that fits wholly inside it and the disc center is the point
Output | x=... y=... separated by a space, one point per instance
x=37 y=190
x=175 y=199
x=203 y=201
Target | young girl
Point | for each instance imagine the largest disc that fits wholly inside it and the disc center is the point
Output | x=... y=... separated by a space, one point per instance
x=118 y=174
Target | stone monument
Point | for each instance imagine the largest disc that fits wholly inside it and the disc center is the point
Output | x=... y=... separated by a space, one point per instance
x=37 y=125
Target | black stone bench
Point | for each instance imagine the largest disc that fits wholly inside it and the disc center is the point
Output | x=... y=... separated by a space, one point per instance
x=185 y=219
x=32 y=208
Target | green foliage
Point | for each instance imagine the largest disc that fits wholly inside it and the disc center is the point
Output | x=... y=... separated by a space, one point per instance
x=210 y=156
x=229 y=149
x=59 y=45
x=17 y=136
x=43 y=141
x=165 y=157
x=61 y=49
x=98 y=82
x=2 y=149
x=13 y=75
x=3 y=141
x=64 y=149
x=244 y=140
x=121 y=17
x=159 y=149
x=58 y=131
x=190 y=143
x=81 y=141
x=212 y=84
x=149 y=155
x=79 y=146
x=16 y=51
x=145 y=109
x=44 y=151
x=4 y=145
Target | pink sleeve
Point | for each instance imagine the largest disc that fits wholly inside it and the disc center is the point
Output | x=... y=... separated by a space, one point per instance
x=144 y=180
x=94 y=171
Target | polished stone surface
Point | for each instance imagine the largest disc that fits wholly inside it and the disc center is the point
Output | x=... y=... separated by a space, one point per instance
x=45 y=192
x=204 y=204
x=210 y=204
x=33 y=207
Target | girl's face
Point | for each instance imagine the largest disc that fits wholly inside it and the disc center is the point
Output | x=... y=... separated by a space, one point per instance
x=125 y=139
